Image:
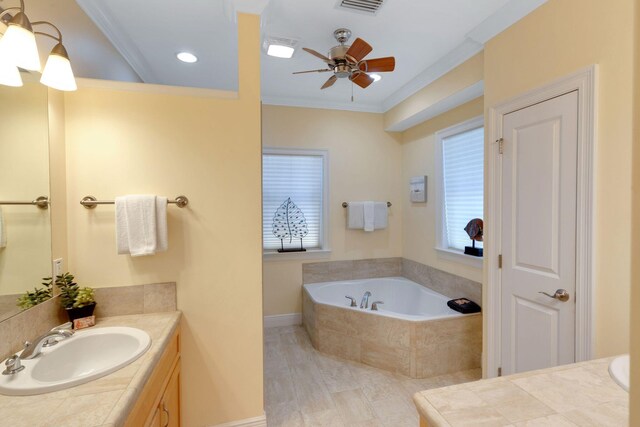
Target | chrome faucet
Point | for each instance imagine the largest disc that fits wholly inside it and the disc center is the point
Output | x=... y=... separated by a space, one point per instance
x=49 y=339
x=364 y=303
x=12 y=365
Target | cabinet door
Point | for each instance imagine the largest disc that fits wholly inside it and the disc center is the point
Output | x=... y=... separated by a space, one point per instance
x=170 y=404
x=156 y=420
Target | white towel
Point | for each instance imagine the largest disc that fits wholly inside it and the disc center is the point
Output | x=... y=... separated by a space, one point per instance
x=3 y=231
x=355 y=216
x=380 y=215
x=141 y=225
x=368 y=216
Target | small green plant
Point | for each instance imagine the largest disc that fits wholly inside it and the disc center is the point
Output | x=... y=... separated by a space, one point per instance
x=71 y=295
x=39 y=295
x=85 y=297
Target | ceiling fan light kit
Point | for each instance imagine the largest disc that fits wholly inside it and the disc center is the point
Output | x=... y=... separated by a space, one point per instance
x=347 y=61
x=18 y=49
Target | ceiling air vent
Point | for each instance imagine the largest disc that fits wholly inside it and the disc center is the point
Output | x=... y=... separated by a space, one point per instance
x=370 y=7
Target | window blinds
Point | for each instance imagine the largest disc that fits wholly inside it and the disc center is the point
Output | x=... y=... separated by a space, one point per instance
x=299 y=177
x=463 y=165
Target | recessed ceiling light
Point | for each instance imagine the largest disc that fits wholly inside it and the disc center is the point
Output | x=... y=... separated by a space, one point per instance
x=187 y=57
x=375 y=77
x=280 y=51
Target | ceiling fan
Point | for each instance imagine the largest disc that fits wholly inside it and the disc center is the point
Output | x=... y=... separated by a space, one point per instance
x=348 y=61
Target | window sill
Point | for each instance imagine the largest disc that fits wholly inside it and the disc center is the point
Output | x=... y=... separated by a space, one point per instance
x=288 y=256
x=457 y=256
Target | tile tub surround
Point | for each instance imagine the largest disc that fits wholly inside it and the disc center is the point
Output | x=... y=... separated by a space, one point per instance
x=442 y=282
x=416 y=349
x=104 y=402
x=305 y=388
x=581 y=394
x=118 y=301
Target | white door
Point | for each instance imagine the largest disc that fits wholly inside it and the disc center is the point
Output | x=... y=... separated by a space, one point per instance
x=539 y=166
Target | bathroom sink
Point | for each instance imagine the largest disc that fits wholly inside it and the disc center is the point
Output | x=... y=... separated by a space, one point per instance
x=619 y=371
x=85 y=356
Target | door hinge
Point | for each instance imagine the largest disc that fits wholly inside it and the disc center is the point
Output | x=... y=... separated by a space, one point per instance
x=500 y=145
x=500 y=261
x=499 y=372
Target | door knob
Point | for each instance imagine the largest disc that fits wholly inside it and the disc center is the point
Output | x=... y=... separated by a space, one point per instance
x=560 y=295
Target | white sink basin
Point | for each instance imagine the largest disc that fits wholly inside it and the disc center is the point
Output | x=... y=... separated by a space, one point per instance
x=87 y=355
x=619 y=371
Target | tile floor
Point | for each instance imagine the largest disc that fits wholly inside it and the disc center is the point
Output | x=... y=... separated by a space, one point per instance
x=306 y=388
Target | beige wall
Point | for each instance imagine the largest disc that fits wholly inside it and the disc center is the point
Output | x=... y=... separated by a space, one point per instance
x=24 y=175
x=58 y=176
x=365 y=164
x=634 y=403
x=419 y=219
x=463 y=76
x=131 y=141
x=555 y=40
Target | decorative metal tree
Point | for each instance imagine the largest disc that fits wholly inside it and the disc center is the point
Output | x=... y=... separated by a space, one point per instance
x=289 y=221
x=475 y=231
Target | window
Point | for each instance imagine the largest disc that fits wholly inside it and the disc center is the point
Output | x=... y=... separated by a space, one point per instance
x=460 y=176
x=300 y=175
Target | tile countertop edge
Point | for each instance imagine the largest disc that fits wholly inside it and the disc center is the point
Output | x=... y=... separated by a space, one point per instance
x=428 y=412
x=125 y=403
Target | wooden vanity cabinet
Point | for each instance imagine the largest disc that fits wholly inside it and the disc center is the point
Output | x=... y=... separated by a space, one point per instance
x=159 y=403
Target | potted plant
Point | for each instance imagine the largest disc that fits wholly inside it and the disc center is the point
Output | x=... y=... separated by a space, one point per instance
x=39 y=295
x=78 y=302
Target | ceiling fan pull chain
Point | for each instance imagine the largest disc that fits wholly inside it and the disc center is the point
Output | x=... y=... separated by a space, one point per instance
x=352 y=91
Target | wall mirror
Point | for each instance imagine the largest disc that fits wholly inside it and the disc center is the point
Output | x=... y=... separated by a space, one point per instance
x=25 y=229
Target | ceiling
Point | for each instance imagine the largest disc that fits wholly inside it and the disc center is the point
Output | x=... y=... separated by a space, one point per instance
x=137 y=41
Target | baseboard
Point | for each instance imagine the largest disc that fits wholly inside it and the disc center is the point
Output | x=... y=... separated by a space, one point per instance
x=248 y=422
x=291 y=319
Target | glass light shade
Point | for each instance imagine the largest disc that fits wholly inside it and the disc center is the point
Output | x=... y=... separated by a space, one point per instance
x=57 y=74
x=9 y=74
x=18 y=46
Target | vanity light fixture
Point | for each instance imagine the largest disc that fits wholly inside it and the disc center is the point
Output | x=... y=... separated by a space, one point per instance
x=18 y=49
x=187 y=57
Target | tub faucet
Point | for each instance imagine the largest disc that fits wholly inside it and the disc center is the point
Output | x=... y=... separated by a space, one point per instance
x=364 y=303
x=49 y=339
x=352 y=301
x=374 y=306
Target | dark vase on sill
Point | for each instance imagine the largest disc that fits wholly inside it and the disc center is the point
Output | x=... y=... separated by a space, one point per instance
x=80 y=312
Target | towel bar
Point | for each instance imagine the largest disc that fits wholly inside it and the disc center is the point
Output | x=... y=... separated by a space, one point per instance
x=346 y=205
x=41 y=202
x=91 y=202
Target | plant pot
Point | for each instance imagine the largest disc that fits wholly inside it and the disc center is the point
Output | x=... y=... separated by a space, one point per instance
x=80 y=312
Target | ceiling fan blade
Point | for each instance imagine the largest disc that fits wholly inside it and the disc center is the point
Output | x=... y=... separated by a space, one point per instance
x=313 y=71
x=378 y=65
x=361 y=79
x=359 y=49
x=317 y=54
x=329 y=82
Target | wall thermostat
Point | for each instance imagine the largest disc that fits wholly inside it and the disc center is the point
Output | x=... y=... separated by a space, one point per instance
x=418 y=188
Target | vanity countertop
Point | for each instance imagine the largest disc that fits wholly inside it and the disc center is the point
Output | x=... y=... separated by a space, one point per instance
x=581 y=394
x=104 y=402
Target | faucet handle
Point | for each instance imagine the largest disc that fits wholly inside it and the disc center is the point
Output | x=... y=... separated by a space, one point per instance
x=13 y=365
x=353 y=300
x=374 y=306
x=65 y=329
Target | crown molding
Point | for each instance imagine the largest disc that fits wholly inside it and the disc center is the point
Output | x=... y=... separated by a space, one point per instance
x=449 y=103
x=451 y=60
x=502 y=19
x=319 y=103
x=101 y=15
x=505 y=17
